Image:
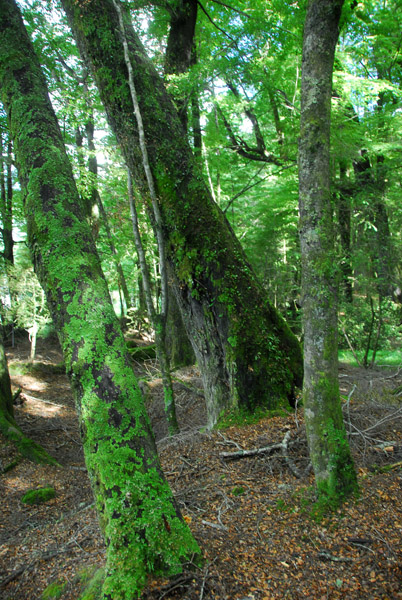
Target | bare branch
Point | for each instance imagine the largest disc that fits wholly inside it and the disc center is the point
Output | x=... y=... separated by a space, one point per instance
x=215 y=25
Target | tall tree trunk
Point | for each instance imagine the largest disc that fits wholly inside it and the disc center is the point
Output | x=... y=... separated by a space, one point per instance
x=6 y=201
x=180 y=55
x=344 y=210
x=246 y=352
x=157 y=317
x=140 y=520
x=180 y=44
x=374 y=185
x=329 y=449
x=95 y=199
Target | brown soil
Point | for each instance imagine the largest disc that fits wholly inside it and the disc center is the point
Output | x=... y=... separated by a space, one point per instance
x=252 y=517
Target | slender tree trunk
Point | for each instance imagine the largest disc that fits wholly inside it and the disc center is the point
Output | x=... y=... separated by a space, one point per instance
x=246 y=352
x=6 y=201
x=158 y=319
x=96 y=199
x=329 y=449
x=344 y=210
x=381 y=250
x=140 y=520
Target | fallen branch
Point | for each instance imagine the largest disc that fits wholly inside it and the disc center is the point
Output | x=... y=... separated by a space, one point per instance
x=215 y=525
x=25 y=395
x=254 y=452
x=281 y=447
x=327 y=556
x=49 y=554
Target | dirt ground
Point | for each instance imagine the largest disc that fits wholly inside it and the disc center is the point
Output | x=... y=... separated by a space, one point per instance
x=252 y=517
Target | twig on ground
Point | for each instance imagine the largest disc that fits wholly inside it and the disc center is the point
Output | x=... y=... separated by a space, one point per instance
x=227 y=442
x=215 y=525
x=324 y=555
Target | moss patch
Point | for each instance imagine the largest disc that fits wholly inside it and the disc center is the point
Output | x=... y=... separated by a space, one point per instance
x=54 y=591
x=93 y=590
x=39 y=495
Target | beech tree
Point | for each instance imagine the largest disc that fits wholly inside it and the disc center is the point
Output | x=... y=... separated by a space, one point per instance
x=142 y=526
x=247 y=354
x=328 y=445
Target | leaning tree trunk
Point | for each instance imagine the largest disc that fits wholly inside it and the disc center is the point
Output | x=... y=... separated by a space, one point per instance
x=246 y=353
x=329 y=449
x=141 y=523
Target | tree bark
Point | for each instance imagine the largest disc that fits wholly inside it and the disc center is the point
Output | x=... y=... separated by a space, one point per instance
x=180 y=46
x=329 y=449
x=6 y=205
x=180 y=351
x=246 y=352
x=141 y=523
x=344 y=210
x=96 y=199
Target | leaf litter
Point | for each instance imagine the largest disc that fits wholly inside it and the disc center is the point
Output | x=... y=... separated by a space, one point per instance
x=252 y=517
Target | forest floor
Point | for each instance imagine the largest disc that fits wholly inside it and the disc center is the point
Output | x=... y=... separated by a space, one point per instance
x=252 y=517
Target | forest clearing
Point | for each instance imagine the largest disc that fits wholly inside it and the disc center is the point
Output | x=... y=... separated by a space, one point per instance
x=252 y=517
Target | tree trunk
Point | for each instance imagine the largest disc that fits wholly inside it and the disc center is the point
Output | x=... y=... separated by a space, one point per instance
x=246 y=352
x=329 y=449
x=179 y=49
x=381 y=247
x=180 y=55
x=96 y=199
x=141 y=523
x=178 y=346
x=344 y=210
x=6 y=205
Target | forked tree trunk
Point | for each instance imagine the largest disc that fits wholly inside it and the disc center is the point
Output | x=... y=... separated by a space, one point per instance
x=142 y=526
x=247 y=354
x=328 y=445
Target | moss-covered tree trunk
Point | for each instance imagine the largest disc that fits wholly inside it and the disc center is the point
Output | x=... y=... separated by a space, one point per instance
x=329 y=450
x=178 y=58
x=142 y=526
x=246 y=352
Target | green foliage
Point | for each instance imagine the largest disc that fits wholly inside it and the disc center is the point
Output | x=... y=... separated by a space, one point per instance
x=239 y=417
x=93 y=589
x=369 y=327
x=39 y=496
x=54 y=591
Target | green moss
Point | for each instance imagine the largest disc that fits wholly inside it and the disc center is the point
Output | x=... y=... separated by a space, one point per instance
x=341 y=482
x=93 y=589
x=12 y=464
x=54 y=591
x=39 y=495
x=241 y=416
